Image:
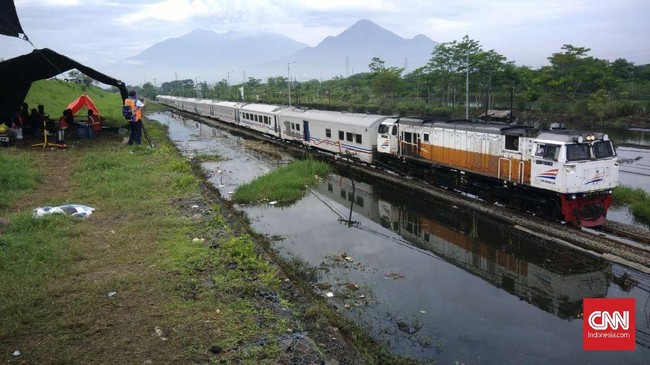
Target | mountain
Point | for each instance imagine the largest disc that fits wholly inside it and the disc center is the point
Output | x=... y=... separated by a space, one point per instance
x=351 y=51
x=205 y=55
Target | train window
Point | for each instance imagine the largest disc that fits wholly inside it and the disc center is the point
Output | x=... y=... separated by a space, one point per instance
x=426 y=137
x=512 y=143
x=349 y=137
x=603 y=149
x=552 y=151
x=341 y=135
x=577 y=152
x=298 y=127
x=383 y=129
x=357 y=138
x=407 y=137
x=548 y=151
x=328 y=133
x=359 y=201
x=394 y=131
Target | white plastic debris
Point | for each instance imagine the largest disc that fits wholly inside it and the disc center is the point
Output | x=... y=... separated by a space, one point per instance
x=273 y=202
x=111 y=294
x=74 y=210
x=16 y=353
x=329 y=294
x=159 y=333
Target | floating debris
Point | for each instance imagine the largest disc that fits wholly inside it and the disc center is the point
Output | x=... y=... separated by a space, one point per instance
x=394 y=276
x=329 y=294
x=352 y=286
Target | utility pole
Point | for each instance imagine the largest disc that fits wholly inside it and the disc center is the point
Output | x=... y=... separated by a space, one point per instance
x=289 y=78
x=228 y=82
x=467 y=88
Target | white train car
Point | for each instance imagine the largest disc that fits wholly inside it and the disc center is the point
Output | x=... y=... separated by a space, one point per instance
x=225 y=111
x=260 y=117
x=346 y=134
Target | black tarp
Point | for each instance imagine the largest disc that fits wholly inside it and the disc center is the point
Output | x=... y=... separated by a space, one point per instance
x=9 y=23
x=17 y=75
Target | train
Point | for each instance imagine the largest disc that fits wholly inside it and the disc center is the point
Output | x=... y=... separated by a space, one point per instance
x=562 y=175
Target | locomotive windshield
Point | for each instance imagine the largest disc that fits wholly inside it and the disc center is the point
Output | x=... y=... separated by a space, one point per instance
x=578 y=151
x=383 y=129
x=603 y=149
x=586 y=151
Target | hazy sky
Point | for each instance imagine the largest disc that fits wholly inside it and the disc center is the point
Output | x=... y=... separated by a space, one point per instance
x=101 y=32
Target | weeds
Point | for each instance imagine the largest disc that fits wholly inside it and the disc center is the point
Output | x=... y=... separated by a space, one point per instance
x=637 y=200
x=284 y=185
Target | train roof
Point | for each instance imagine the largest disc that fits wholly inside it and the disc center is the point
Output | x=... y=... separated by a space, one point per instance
x=354 y=119
x=569 y=136
x=231 y=104
x=475 y=126
x=262 y=108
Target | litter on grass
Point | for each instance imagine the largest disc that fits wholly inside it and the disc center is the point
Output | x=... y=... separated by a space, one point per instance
x=74 y=210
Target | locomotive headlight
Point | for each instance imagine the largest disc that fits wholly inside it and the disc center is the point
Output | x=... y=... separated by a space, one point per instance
x=570 y=169
x=605 y=137
x=573 y=197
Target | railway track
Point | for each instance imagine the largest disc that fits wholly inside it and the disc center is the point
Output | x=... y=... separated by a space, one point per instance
x=607 y=241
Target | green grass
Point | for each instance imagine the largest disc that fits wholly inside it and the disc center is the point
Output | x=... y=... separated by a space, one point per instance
x=284 y=185
x=637 y=201
x=195 y=273
x=17 y=175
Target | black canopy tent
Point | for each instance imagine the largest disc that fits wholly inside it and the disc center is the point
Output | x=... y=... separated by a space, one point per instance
x=9 y=24
x=17 y=75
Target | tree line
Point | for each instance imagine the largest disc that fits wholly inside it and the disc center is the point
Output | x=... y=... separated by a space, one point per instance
x=459 y=78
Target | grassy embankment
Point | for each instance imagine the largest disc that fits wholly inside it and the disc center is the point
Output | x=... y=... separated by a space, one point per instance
x=160 y=272
x=285 y=185
x=637 y=200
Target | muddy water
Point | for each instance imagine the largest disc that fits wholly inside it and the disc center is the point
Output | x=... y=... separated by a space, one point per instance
x=434 y=282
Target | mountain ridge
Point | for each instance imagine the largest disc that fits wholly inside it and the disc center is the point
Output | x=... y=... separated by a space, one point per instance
x=204 y=55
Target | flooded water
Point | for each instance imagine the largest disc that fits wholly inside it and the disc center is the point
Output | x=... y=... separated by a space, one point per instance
x=434 y=282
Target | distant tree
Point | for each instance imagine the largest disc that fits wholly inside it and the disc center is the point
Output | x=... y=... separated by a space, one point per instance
x=149 y=90
x=573 y=73
x=385 y=81
x=623 y=69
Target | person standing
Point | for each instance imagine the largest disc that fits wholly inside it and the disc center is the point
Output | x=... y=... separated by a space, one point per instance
x=135 y=122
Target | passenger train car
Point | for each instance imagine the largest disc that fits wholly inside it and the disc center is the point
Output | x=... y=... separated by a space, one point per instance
x=563 y=175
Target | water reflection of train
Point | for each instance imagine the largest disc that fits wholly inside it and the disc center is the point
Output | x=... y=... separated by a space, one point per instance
x=550 y=276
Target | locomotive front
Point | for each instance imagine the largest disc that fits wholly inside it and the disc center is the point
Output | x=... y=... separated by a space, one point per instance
x=582 y=168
